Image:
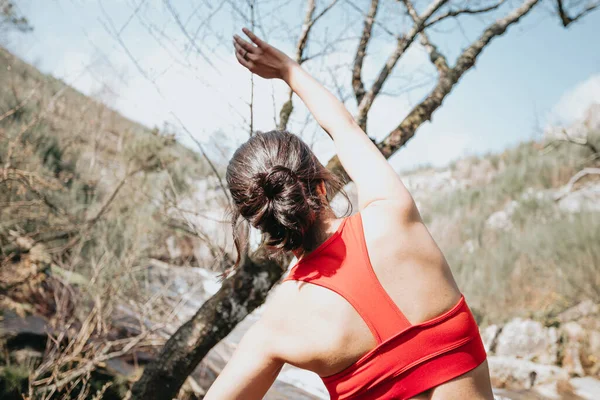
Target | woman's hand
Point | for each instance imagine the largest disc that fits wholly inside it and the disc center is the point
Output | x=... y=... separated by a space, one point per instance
x=261 y=58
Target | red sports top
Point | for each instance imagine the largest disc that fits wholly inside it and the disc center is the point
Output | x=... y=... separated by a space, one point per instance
x=408 y=359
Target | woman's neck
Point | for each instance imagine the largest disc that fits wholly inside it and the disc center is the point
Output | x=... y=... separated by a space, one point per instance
x=324 y=226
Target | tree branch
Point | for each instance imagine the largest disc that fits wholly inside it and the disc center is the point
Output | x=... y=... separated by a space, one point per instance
x=309 y=21
x=569 y=186
x=112 y=196
x=424 y=110
x=187 y=35
x=208 y=160
x=566 y=19
x=457 y=12
x=357 y=83
x=402 y=45
x=437 y=58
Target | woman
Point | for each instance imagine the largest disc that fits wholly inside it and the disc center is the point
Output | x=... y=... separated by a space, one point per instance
x=371 y=305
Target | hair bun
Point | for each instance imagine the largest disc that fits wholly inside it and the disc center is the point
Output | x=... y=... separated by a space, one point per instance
x=284 y=208
x=275 y=181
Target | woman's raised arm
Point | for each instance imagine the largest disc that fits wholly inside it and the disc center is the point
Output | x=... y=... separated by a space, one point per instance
x=374 y=177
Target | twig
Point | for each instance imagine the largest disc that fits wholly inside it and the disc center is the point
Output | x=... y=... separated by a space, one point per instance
x=569 y=186
x=566 y=19
x=18 y=106
x=460 y=11
x=210 y=163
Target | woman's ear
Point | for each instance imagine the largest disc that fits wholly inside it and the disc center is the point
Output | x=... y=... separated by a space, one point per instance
x=322 y=189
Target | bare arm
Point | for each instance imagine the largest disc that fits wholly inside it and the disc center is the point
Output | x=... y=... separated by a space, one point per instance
x=252 y=369
x=375 y=179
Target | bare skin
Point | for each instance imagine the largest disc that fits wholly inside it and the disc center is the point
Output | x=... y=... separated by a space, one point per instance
x=312 y=327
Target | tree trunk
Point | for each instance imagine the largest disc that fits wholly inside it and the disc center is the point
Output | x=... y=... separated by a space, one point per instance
x=239 y=295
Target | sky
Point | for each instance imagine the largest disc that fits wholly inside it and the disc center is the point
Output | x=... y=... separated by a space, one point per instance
x=145 y=66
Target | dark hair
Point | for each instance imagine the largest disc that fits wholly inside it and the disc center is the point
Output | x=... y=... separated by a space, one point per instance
x=273 y=180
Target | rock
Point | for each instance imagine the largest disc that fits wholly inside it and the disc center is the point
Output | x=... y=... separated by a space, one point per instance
x=580 y=331
x=587 y=198
x=501 y=220
x=592 y=352
x=489 y=335
x=500 y=397
x=503 y=394
x=428 y=181
x=31 y=330
x=587 y=388
x=573 y=331
x=573 y=336
x=530 y=340
x=549 y=391
x=473 y=171
x=571 y=360
x=513 y=373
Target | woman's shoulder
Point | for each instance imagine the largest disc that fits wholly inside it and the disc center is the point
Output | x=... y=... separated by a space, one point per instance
x=302 y=321
x=398 y=211
x=385 y=219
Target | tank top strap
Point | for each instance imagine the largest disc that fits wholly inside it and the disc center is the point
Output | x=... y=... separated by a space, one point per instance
x=342 y=264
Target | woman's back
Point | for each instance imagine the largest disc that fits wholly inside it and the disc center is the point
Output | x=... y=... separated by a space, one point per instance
x=323 y=332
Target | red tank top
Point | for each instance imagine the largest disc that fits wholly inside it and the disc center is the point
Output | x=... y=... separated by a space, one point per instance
x=408 y=359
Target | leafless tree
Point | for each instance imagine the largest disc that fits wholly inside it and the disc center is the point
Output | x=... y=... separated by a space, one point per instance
x=247 y=287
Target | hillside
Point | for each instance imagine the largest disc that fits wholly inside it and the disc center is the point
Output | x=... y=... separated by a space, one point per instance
x=519 y=239
x=87 y=198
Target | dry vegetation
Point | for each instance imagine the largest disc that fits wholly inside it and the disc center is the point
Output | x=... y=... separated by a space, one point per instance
x=86 y=198
x=546 y=259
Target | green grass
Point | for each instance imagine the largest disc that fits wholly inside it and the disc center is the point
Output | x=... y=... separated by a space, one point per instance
x=13 y=381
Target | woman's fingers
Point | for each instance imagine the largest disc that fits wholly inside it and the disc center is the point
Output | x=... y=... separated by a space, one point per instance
x=245 y=45
x=244 y=53
x=253 y=37
x=242 y=60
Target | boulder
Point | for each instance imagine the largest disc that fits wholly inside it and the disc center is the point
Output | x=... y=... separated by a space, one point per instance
x=517 y=374
x=501 y=220
x=573 y=336
x=586 y=388
x=529 y=340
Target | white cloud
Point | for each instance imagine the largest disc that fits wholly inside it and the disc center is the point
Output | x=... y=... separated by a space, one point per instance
x=573 y=104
